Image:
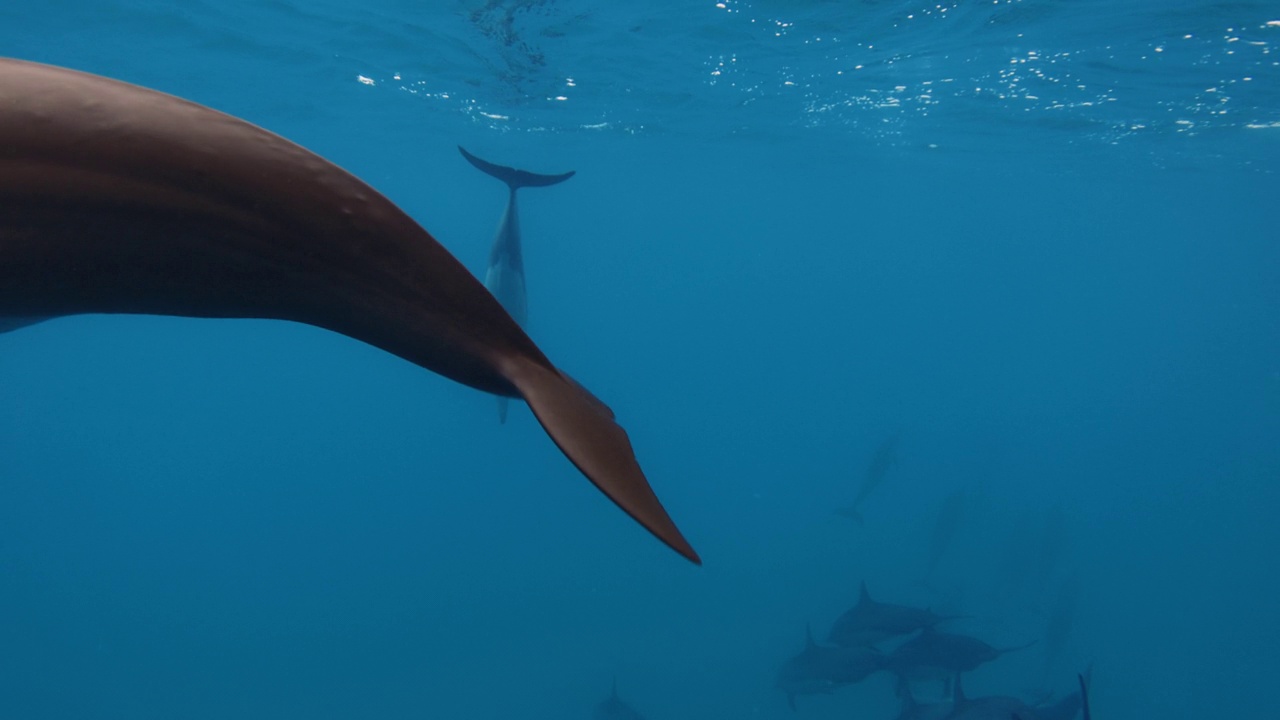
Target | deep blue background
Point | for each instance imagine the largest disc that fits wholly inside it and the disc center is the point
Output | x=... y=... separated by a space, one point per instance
x=1069 y=312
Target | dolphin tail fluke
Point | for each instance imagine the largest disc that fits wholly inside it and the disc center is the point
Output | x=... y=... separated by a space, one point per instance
x=502 y=409
x=584 y=430
x=514 y=178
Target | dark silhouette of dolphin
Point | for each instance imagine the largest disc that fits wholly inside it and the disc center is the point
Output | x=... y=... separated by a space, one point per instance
x=822 y=669
x=505 y=274
x=871 y=621
x=118 y=199
x=613 y=708
x=886 y=456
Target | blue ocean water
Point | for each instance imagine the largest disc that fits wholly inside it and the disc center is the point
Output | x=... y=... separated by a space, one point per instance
x=1036 y=241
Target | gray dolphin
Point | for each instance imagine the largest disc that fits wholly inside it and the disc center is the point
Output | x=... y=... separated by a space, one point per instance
x=505 y=274
x=950 y=515
x=118 y=199
x=990 y=707
x=870 y=622
x=885 y=457
x=613 y=708
x=820 y=669
x=933 y=654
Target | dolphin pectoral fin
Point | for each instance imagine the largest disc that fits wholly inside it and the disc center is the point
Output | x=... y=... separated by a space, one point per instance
x=584 y=430
x=502 y=409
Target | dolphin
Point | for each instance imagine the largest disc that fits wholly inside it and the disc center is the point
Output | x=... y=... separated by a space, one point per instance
x=885 y=457
x=950 y=515
x=1060 y=620
x=821 y=669
x=505 y=275
x=912 y=709
x=991 y=707
x=613 y=708
x=933 y=652
x=119 y=199
x=870 y=622
x=1065 y=708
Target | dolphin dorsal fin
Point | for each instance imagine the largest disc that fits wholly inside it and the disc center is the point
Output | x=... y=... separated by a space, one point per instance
x=614 y=694
x=957 y=694
x=864 y=597
x=808 y=637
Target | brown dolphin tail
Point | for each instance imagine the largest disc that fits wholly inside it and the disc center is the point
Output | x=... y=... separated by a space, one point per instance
x=585 y=432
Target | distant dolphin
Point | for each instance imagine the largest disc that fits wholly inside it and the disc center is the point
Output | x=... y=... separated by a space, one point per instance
x=933 y=652
x=505 y=276
x=613 y=708
x=870 y=621
x=118 y=199
x=944 y=528
x=821 y=669
x=886 y=456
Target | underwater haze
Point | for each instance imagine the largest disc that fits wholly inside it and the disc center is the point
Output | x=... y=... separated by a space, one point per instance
x=975 y=302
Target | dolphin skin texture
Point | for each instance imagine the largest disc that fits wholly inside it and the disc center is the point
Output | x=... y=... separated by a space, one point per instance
x=118 y=199
x=505 y=275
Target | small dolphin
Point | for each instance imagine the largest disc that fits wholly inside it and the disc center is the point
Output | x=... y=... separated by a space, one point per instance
x=613 y=708
x=1065 y=708
x=819 y=669
x=932 y=654
x=886 y=456
x=1060 y=620
x=948 y=522
x=991 y=707
x=913 y=709
x=505 y=276
x=118 y=199
x=870 y=622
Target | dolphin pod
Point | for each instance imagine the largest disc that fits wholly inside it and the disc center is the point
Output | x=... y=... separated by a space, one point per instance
x=119 y=199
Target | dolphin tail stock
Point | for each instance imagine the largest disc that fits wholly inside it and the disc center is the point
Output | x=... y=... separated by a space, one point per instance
x=513 y=177
x=584 y=430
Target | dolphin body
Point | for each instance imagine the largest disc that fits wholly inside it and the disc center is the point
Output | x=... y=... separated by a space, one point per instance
x=819 y=669
x=118 y=199
x=990 y=707
x=505 y=274
x=871 y=621
x=933 y=653
x=613 y=708
x=885 y=457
